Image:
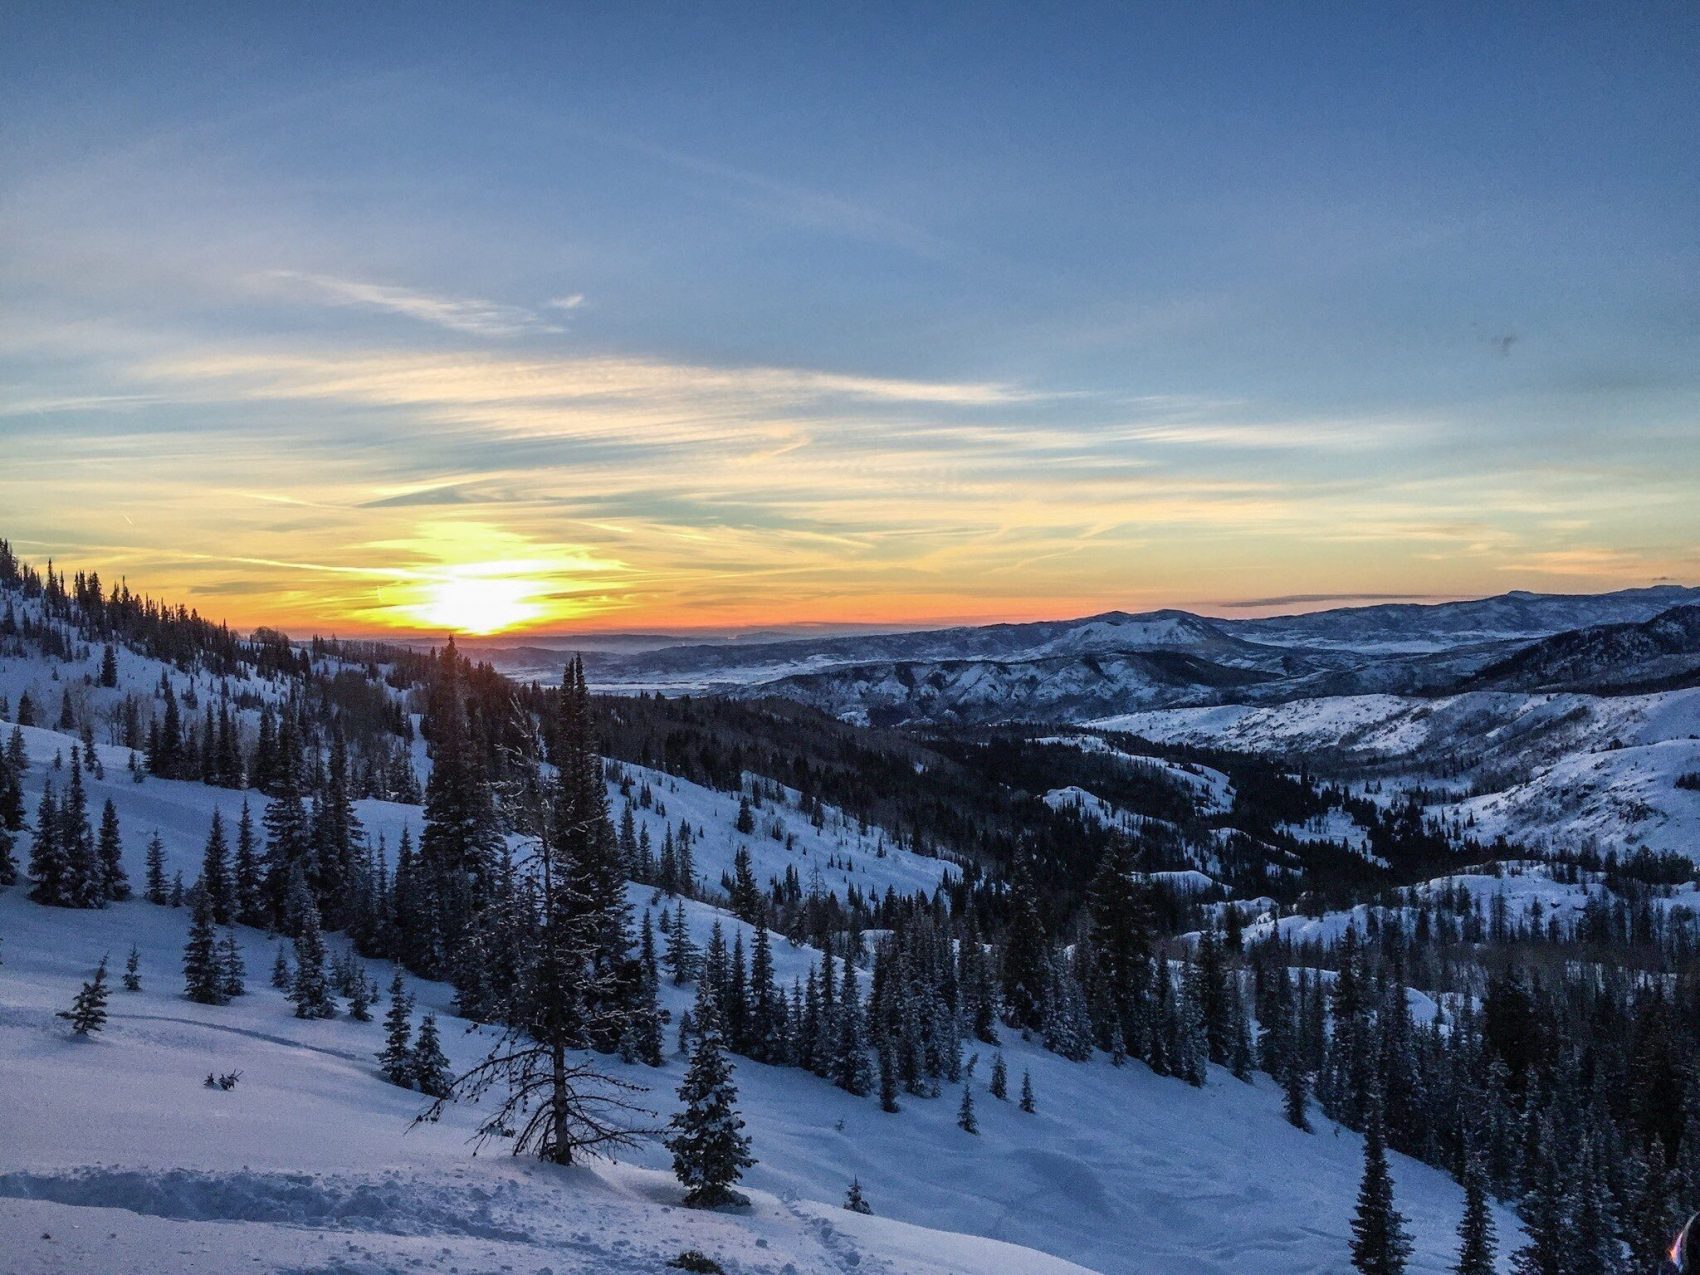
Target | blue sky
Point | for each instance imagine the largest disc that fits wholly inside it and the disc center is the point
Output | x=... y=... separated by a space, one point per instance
x=754 y=315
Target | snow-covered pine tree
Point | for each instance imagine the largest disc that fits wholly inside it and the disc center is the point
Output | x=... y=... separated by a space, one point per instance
x=1543 y=1207
x=643 y=1032
x=1000 y=1078
x=77 y=840
x=710 y=1149
x=133 y=970
x=310 y=991
x=157 y=891
x=88 y=1011
x=215 y=872
x=888 y=1081
x=556 y=1102
x=114 y=884
x=247 y=896
x=1027 y=1103
x=680 y=958
x=49 y=864
x=767 y=1004
x=965 y=1111
x=203 y=975
x=427 y=1066
x=1380 y=1245
x=280 y=970
x=854 y=1200
x=1475 y=1228
x=233 y=970
x=850 y=1052
x=360 y=999
x=396 y=1055
x=1294 y=1091
x=1025 y=954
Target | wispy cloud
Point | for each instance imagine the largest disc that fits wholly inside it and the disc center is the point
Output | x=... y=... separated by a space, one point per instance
x=1320 y=435
x=470 y=315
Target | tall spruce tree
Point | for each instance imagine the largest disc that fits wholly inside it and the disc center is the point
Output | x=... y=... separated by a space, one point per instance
x=203 y=972
x=50 y=866
x=114 y=886
x=710 y=1149
x=157 y=890
x=310 y=991
x=1380 y=1245
x=428 y=1067
x=247 y=893
x=396 y=1056
x=215 y=873
x=1475 y=1228
x=554 y=1101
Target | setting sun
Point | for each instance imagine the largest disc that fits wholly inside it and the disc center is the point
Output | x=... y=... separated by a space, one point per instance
x=480 y=605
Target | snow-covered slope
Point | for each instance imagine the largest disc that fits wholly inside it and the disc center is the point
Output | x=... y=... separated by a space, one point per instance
x=1559 y=769
x=119 y=1155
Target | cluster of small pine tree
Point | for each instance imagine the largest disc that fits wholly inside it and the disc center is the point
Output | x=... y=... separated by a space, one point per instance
x=72 y=865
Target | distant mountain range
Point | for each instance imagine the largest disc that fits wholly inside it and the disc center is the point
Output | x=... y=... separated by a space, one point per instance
x=1120 y=662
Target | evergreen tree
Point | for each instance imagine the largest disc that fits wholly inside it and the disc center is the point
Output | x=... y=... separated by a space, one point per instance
x=965 y=1111
x=888 y=1081
x=850 y=1052
x=88 y=1011
x=360 y=999
x=1000 y=1078
x=109 y=667
x=157 y=891
x=428 y=1068
x=1025 y=956
x=247 y=897
x=1027 y=1103
x=854 y=1200
x=8 y=863
x=114 y=883
x=1294 y=1092
x=557 y=1103
x=310 y=991
x=747 y=904
x=77 y=840
x=215 y=873
x=203 y=973
x=233 y=969
x=1475 y=1229
x=1379 y=1243
x=710 y=1149
x=133 y=970
x=680 y=958
x=50 y=866
x=397 y=1053
x=280 y=970
x=288 y=846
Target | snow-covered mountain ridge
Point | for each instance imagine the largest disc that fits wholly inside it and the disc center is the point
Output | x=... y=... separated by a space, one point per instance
x=1118 y=662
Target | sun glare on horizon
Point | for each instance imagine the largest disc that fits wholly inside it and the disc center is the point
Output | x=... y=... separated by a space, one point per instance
x=480 y=605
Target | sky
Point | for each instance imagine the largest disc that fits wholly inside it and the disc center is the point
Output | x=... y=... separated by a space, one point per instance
x=627 y=317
